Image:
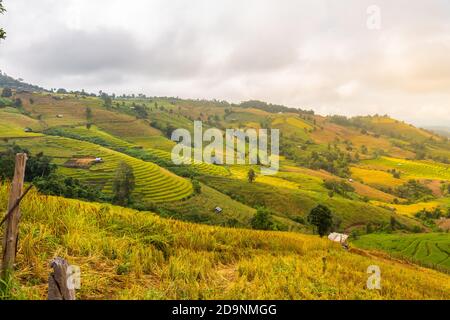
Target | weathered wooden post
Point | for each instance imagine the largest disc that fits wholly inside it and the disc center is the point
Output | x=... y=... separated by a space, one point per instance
x=58 y=281
x=12 y=223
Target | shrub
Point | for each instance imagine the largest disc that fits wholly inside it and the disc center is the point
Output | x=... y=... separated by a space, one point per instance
x=262 y=220
x=321 y=217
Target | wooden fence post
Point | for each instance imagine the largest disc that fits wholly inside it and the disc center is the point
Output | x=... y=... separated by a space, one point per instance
x=58 y=287
x=12 y=224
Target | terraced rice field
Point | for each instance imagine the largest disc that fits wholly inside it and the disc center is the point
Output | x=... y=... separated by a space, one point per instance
x=153 y=183
x=412 y=169
x=204 y=168
x=127 y=128
x=376 y=178
x=411 y=209
x=115 y=143
x=73 y=111
x=95 y=132
x=13 y=124
x=432 y=249
x=292 y=126
x=154 y=142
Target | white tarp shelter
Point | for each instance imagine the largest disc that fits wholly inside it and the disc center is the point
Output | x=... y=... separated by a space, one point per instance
x=338 y=237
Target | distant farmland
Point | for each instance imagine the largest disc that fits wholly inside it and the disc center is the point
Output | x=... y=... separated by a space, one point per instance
x=432 y=250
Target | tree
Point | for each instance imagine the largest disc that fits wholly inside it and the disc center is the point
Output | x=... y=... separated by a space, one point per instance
x=413 y=190
x=322 y=218
x=88 y=117
x=261 y=220
x=251 y=175
x=196 y=186
x=18 y=103
x=6 y=93
x=107 y=101
x=61 y=91
x=88 y=114
x=38 y=166
x=123 y=184
x=2 y=32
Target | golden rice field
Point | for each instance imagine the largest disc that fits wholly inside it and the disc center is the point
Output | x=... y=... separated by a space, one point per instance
x=412 y=209
x=412 y=169
x=376 y=178
x=125 y=254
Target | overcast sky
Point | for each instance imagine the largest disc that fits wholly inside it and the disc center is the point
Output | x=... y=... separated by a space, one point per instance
x=311 y=54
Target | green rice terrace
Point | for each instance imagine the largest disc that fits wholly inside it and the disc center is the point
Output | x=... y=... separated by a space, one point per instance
x=431 y=249
x=76 y=159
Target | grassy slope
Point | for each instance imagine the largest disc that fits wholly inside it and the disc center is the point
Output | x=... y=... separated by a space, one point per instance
x=116 y=143
x=298 y=188
x=290 y=203
x=200 y=208
x=411 y=169
x=153 y=183
x=431 y=249
x=13 y=124
x=127 y=254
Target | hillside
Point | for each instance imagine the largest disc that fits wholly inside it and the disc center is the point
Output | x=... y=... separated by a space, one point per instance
x=17 y=84
x=445 y=131
x=361 y=152
x=386 y=183
x=125 y=254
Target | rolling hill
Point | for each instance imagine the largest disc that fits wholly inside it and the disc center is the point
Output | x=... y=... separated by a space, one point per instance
x=126 y=254
x=360 y=168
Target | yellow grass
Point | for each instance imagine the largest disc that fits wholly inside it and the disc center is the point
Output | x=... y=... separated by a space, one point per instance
x=124 y=254
x=375 y=177
x=411 y=209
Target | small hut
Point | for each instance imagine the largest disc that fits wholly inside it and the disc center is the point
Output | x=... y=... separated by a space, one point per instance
x=338 y=237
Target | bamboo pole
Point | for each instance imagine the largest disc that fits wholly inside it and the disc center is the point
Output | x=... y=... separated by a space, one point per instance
x=12 y=226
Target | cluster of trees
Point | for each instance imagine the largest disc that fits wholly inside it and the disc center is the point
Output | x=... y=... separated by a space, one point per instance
x=37 y=166
x=165 y=128
x=395 y=173
x=437 y=213
x=413 y=190
x=333 y=161
x=42 y=173
x=140 y=111
x=2 y=32
x=429 y=217
x=262 y=220
x=340 y=187
x=7 y=93
x=320 y=218
x=273 y=108
x=59 y=185
x=123 y=185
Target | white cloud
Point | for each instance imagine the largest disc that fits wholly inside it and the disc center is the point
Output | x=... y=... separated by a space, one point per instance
x=316 y=54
